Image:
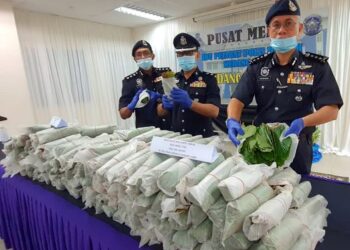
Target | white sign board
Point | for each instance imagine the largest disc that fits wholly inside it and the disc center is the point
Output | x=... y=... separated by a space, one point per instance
x=184 y=149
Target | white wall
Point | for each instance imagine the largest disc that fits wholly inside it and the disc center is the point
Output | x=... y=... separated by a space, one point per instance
x=15 y=102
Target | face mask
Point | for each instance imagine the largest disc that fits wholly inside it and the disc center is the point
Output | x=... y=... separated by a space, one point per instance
x=145 y=64
x=284 y=45
x=187 y=63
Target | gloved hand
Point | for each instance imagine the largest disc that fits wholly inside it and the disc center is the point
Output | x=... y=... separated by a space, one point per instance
x=295 y=127
x=182 y=97
x=154 y=95
x=167 y=103
x=234 y=128
x=134 y=100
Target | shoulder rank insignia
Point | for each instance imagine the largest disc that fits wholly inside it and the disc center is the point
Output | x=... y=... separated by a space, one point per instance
x=316 y=57
x=259 y=58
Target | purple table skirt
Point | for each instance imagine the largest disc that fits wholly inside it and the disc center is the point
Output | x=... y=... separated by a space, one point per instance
x=33 y=218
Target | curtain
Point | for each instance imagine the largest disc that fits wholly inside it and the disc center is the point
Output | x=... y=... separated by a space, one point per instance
x=336 y=135
x=74 y=68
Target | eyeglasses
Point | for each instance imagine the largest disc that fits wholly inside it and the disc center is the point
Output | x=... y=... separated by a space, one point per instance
x=288 y=25
x=185 y=53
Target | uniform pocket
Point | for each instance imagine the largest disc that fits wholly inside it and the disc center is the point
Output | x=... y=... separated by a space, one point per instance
x=198 y=93
x=264 y=92
x=299 y=93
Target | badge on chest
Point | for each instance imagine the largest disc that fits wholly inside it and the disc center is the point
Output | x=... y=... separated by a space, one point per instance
x=198 y=84
x=304 y=78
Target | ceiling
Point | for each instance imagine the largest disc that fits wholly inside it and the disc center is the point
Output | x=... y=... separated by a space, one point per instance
x=102 y=11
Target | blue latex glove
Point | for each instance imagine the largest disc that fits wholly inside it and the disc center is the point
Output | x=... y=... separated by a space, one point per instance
x=167 y=103
x=134 y=100
x=154 y=95
x=181 y=96
x=234 y=128
x=295 y=127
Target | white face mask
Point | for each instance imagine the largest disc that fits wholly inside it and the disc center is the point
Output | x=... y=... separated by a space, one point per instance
x=145 y=63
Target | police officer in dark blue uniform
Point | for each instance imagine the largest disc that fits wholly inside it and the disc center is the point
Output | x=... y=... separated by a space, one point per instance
x=197 y=98
x=288 y=85
x=147 y=77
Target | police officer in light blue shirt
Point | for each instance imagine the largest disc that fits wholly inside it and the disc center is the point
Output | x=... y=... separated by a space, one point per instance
x=288 y=85
x=196 y=100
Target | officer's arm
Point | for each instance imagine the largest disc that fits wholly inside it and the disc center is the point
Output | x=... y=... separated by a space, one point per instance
x=323 y=115
x=205 y=109
x=125 y=99
x=125 y=113
x=161 y=111
x=234 y=109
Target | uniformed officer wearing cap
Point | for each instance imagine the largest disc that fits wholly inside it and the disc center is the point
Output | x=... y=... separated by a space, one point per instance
x=287 y=85
x=197 y=98
x=146 y=77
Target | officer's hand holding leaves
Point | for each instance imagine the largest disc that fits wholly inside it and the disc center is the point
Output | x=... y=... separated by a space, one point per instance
x=154 y=95
x=134 y=100
x=234 y=129
x=295 y=127
x=167 y=103
x=182 y=97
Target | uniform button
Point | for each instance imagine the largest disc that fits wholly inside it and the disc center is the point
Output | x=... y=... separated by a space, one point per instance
x=196 y=93
x=263 y=87
x=163 y=120
x=183 y=121
x=183 y=130
x=276 y=108
x=299 y=90
x=185 y=82
x=279 y=91
x=281 y=74
x=183 y=111
x=204 y=130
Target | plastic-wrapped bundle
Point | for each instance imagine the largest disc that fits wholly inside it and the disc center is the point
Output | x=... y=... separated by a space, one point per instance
x=195 y=216
x=149 y=179
x=128 y=134
x=314 y=232
x=44 y=151
x=195 y=176
x=236 y=211
x=168 y=180
x=147 y=137
x=237 y=241
x=93 y=131
x=61 y=149
x=205 y=193
x=216 y=212
x=36 y=128
x=183 y=240
x=52 y=134
x=240 y=183
x=128 y=150
x=268 y=215
x=142 y=203
x=300 y=194
x=153 y=160
x=203 y=232
x=123 y=170
x=285 y=176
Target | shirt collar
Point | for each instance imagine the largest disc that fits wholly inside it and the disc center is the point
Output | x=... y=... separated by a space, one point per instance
x=292 y=61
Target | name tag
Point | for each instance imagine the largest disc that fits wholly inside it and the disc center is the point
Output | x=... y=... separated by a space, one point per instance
x=194 y=151
x=300 y=78
x=198 y=84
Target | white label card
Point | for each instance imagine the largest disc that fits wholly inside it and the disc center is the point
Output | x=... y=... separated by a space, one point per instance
x=184 y=149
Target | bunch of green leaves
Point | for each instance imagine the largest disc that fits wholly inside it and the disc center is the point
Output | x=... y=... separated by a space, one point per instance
x=263 y=145
x=316 y=136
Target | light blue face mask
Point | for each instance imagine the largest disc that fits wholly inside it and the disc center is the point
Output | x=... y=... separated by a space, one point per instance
x=145 y=63
x=284 y=45
x=187 y=63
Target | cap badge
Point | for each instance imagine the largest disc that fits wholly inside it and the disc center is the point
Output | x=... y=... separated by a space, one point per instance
x=144 y=43
x=292 y=6
x=183 y=40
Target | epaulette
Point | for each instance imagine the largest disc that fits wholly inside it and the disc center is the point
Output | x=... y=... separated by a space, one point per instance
x=208 y=73
x=259 y=58
x=165 y=69
x=130 y=76
x=316 y=57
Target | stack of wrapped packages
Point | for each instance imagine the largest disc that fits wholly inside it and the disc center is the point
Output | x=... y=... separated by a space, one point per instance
x=235 y=202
